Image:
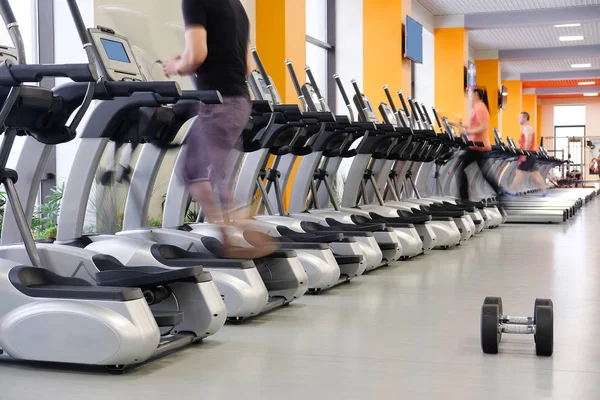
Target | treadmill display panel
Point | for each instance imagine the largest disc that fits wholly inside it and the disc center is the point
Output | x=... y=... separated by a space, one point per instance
x=115 y=50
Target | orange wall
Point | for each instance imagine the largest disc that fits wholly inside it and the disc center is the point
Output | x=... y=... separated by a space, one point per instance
x=382 y=42
x=510 y=116
x=451 y=47
x=281 y=35
x=488 y=75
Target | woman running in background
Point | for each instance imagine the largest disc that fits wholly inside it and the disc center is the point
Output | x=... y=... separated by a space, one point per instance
x=477 y=131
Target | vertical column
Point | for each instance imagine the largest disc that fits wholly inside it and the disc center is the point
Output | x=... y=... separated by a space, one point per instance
x=529 y=104
x=383 y=61
x=488 y=75
x=510 y=116
x=451 y=56
x=281 y=34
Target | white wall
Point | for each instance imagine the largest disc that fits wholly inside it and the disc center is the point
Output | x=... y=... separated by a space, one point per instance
x=425 y=73
x=422 y=15
x=349 y=45
x=68 y=49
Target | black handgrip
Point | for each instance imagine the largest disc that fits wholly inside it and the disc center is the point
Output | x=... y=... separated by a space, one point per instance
x=359 y=95
x=437 y=118
x=319 y=116
x=7 y=13
x=386 y=89
x=290 y=111
x=420 y=110
x=205 y=96
x=35 y=72
x=295 y=82
x=413 y=109
x=124 y=89
x=342 y=119
x=261 y=67
x=313 y=82
x=262 y=106
x=386 y=127
x=340 y=86
x=406 y=110
x=364 y=125
x=426 y=113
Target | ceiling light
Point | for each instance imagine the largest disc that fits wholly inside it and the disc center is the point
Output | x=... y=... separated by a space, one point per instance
x=581 y=65
x=567 y=25
x=590 y=95
x=570 y=38
x=586 y=83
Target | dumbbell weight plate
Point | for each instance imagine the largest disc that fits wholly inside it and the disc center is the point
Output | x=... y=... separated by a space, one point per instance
x=490 y=338
x=497 y=301
x=541 y=302
x=544 y=335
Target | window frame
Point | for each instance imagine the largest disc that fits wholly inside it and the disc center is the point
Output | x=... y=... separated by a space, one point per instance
x=329 y=46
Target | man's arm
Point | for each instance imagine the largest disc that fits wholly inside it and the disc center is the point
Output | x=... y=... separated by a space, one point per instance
x=249 y=60
x=529 y=134
x=195 y=52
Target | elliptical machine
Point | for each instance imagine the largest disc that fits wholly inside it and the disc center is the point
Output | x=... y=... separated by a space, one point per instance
x=69 y=312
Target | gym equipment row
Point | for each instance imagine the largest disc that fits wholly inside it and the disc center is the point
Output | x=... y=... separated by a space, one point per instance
x=145 y=292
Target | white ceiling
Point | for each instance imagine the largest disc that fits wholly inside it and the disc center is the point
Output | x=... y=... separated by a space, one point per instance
x=532 y=37
x=459 y=7
x=544 y=36
x=563 y=64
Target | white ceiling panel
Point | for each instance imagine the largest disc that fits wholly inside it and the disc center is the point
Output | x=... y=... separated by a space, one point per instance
x=458 y=7
x=533 y=37
x=527 y=66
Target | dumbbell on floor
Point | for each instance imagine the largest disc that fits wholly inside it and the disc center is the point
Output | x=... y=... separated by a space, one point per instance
x=494 y=323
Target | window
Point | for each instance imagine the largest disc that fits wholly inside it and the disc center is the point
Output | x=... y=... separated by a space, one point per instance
x=569 y=134
x=26 y=18
x=569 y=115
x=25 y=15
x=320 y=45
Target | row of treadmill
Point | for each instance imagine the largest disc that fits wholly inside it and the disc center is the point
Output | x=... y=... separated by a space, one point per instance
x=123 y=299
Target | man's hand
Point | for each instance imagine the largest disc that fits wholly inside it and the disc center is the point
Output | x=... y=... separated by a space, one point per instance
x=171 y=66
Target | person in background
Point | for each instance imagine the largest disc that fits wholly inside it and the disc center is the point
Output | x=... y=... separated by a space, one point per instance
x=477 y=131
x=217 y=50
x=527 y=168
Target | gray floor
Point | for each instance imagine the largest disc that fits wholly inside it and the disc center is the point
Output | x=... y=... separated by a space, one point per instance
x=410 y=331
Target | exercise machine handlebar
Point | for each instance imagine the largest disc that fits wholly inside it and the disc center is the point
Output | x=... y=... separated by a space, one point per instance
x=342 y=90
x=359 y=97
x=386 y=89
x=292 y=72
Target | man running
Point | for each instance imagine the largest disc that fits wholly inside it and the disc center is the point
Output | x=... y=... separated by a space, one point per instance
x=217 y=51
x=527 y=166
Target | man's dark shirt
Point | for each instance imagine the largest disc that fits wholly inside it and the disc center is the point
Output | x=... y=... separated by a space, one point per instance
x=228 y=31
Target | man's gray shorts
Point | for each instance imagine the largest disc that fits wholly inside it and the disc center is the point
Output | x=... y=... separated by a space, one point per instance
x=214 y=134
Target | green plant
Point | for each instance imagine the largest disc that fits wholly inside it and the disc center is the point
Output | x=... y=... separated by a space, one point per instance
x=43 y=223
x=155 y=223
